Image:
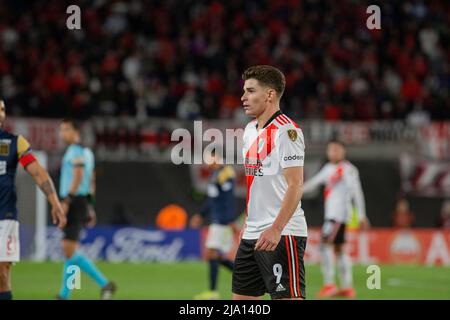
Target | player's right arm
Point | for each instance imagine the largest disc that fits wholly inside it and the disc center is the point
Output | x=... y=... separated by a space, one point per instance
x=212 y=192
x=42 y=179
x=196 y=220
x=314 y=182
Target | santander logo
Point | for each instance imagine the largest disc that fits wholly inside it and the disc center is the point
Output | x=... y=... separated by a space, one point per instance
x=405 y=248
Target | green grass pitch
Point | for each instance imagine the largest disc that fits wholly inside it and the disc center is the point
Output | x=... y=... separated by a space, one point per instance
x=185 y=279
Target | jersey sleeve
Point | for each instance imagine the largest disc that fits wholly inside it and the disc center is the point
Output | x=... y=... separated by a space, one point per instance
x=78 y=157
x=318 y=179
x=24 y=152
x=351 y=178
x=291 y=148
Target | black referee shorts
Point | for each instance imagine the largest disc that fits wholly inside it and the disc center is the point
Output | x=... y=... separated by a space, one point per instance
x=76 y=218
x=281 y=272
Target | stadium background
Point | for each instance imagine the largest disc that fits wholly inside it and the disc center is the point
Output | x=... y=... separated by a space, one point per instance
x=137 y=70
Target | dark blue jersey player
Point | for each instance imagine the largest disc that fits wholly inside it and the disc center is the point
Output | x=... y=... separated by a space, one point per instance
x=15 y=149
x=220 y=207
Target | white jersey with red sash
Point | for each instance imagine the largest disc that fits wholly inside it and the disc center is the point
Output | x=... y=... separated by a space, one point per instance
x=267 y=151
x=342 y=188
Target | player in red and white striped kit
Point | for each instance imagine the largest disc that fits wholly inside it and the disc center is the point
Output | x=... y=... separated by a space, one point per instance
x=270 y=254
x=342 y=191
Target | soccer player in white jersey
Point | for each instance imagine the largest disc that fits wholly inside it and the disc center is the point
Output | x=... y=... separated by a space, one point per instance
x=342 y=191
x=273 y=241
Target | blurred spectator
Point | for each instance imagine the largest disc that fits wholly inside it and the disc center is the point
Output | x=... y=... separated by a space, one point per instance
x=188 y=108
x=444 y=221
x=418 y=116
x=411 y=88
x=184 y=58
x=403 y=217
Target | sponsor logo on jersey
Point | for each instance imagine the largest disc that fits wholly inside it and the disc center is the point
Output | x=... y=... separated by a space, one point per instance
x=253 y=167
x=294 y=157
x=292 y=134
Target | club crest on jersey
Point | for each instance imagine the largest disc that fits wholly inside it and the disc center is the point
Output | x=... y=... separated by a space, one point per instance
x=292 y=134
x=4 y=149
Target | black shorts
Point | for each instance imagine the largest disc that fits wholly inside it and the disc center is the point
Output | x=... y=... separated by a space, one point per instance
x=281 y=272
x=333 y=232
x=76 y=218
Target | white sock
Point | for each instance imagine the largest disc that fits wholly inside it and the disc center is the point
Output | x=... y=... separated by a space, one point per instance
x=344 y=264
x=328 y=265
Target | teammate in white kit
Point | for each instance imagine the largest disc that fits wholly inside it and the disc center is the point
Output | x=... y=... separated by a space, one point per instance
x=270 y=254
x=342 y=191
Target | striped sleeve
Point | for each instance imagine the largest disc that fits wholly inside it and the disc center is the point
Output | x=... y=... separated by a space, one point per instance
x=24 y=152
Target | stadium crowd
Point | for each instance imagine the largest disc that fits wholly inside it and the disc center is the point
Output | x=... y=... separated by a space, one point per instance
x=184 y=58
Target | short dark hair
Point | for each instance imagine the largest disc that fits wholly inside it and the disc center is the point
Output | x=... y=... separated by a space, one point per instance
x=268 y=76
x=337 y=141
x=74 y=123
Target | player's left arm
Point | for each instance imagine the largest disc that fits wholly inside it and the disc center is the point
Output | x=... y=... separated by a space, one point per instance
x=78 y=163
x=353 y=182
x=92 y=215
x=78 y=172
x=270 y=238
x=292 y=153
x=42 y=179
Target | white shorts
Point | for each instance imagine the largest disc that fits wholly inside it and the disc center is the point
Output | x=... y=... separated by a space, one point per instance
x=220 y=237
x=9 y=241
